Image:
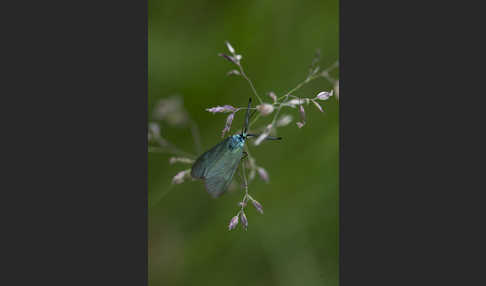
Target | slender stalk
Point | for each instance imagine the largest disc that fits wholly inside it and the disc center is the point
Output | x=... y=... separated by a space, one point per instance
x=324 y=74
x=245 y=185
x=277 y=112
x=300 y=85
x=249 y=81
x=245 y=180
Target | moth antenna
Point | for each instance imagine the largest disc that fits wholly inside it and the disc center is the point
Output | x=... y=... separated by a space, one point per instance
x=247 y=118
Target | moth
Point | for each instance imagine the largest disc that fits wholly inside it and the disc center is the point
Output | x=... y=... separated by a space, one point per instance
x=218 y=165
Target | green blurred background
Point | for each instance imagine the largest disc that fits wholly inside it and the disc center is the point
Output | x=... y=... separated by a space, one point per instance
x=296 y=241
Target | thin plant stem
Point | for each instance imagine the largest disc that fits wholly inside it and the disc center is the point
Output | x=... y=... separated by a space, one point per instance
x=249 y=81
x=245 y=180
x=245 y=184
x=300 y=85
x=324 y=74
x=277 y=113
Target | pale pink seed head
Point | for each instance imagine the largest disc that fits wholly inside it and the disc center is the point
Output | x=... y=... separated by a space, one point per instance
x=302 y=113
x=284 y=120
x=171 y=110
x=324 y=95
x=317 y=105
x=230 y=47
x=273 y=96
x=233 y=223
x=263 y=174
x=257 y=206
x=174 y=160
x=227 y=126
x=179 y=177
x=244 y=221
x=264 y=135
x=265 y=108
x=233 y=72
x=229 y=58
x=224 y=108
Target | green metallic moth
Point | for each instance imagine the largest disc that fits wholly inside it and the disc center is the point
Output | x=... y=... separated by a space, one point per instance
x=218 y=165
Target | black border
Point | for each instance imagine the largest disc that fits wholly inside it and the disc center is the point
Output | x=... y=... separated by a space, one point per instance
x=409 y=128
x=78 y=176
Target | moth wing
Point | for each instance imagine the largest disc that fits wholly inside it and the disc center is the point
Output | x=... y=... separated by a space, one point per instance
x=207 y=159
x=220 y=174
x=215 y=186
